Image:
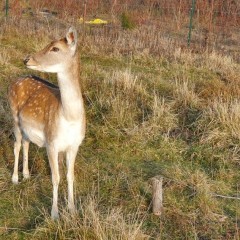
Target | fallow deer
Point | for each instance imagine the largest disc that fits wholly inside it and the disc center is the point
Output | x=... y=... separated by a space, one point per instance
x=50 y=116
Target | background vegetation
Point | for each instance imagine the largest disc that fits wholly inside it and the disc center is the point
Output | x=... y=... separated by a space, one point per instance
x=154 y=107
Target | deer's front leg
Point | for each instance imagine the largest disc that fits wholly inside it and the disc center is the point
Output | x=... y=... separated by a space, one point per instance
x=53 y=160
x=70 y=157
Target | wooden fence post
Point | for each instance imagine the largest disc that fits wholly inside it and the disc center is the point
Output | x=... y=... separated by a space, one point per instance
x=157 y=195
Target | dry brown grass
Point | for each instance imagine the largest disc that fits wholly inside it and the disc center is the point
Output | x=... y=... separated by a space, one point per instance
x=92 y=223
x=223 y=118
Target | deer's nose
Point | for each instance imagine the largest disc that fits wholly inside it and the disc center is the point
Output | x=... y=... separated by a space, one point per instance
x=26 y=60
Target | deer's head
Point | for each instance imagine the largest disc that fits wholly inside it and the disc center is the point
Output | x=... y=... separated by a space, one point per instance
x=56 y=56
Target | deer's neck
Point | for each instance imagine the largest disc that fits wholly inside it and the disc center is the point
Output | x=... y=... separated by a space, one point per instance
x=70 y=91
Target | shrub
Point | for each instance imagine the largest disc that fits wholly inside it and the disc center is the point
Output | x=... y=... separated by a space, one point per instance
x=126 y=21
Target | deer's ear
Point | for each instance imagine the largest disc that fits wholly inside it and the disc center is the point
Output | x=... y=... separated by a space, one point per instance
x=71 y=37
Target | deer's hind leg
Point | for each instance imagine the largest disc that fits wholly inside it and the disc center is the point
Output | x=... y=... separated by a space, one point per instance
x=17 y=147
x=25 y=143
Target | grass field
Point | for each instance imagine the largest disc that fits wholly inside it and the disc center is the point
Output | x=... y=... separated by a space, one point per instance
x=152 y=108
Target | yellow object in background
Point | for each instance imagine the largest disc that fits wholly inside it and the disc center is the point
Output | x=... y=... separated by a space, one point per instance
x=95 y=21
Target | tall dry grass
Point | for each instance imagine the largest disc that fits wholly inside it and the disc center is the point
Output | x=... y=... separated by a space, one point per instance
x=223 y=118
x=92 y=222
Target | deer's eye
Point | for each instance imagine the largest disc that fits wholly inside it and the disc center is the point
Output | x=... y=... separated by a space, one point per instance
x=55 y=49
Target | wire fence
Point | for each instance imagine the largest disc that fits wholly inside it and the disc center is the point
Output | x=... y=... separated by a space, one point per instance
x=215 y=9
x=213 y=23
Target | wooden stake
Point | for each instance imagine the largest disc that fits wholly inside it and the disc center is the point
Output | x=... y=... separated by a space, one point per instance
x=157 y=195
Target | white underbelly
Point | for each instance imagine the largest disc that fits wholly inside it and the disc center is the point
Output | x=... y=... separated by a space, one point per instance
x=67 y=134
x=34 y=135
